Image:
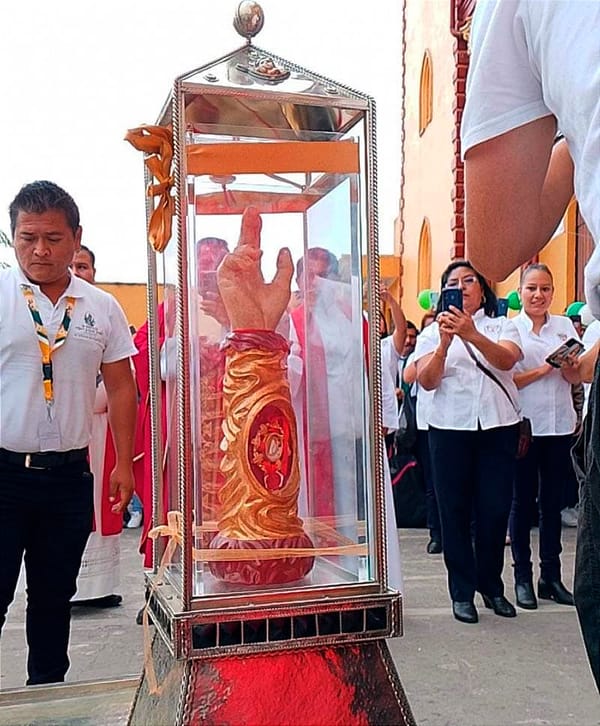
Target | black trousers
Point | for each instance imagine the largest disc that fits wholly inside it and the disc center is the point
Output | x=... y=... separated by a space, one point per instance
x=542 y=474
x=424 y=459
x=586 y=588
x=473 y=477
x=45 y=514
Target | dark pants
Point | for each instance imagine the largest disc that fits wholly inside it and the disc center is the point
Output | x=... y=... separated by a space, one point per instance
x=424 y=459
x=587 y=561
x=571 y=488
x=473 y=474
x=46 y=514
x=541 y=474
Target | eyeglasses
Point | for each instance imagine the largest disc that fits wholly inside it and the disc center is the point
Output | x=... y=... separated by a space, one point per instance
x=457 y=282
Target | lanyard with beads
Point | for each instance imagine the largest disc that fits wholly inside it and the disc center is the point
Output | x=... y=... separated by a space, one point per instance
x=43 y=341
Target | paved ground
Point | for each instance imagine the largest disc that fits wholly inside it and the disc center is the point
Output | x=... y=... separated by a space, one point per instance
x=528 y=671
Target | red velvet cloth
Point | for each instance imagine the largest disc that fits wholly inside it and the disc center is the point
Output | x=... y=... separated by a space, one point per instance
x=112 y=523
x=142 y=467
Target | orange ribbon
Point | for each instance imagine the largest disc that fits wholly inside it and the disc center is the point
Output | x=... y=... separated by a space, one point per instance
x=157 y=141
x=172 y=529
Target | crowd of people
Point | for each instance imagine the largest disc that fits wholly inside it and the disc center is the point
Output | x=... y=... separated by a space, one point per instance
x=69 y=395
x=469 y=376
x=475 y=375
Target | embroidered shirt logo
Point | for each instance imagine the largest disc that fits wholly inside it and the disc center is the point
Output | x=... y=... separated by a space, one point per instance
x=89 y=320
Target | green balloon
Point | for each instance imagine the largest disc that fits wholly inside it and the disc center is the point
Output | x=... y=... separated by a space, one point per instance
x=424 y=299
x=514 y=301
x=574 y=308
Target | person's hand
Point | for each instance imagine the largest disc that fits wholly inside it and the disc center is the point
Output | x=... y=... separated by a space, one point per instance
x=211 y=304
x=249 y=301
x=570 y=361
x=445 y=340
x=386 y=296
x=120 y=487
x=545 y=369
x=457 y=322
x=445 y=330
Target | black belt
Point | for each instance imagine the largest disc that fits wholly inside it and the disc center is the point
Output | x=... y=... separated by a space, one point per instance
x=43 y=459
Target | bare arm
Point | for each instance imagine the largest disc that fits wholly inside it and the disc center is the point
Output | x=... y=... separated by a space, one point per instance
x=525 y=378
x=399 y=335
x=122 y=405
x=409 y=374
x=430 y=368
x=517 y=189
x=587 y=363
x=502 y=355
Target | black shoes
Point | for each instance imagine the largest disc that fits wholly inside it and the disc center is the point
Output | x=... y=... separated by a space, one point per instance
x=547 y=590
x=525 y=596
x=554 y=590
x=464 y=611
x=108 y=601
x=500 y=605
x=434 y=547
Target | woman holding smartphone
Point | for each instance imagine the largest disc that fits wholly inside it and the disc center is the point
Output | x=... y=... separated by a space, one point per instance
x=473 y=433
x=546 y=400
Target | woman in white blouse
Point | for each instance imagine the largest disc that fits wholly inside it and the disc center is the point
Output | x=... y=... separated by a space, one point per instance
x=473 y=432
x=546 y=399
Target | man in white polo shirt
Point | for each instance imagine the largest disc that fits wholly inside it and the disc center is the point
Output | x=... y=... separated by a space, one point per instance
x=56 y=333
x=534 y=70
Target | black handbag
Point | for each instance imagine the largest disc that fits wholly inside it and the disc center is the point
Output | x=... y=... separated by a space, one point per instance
x=405 y=437
x=525 y=430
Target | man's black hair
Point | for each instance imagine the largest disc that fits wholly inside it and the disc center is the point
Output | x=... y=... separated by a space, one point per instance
x=43 y=196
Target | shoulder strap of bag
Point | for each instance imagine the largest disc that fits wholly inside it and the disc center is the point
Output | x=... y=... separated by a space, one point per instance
x=489 y=374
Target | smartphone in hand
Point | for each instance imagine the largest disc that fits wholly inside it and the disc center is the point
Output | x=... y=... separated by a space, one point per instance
x=572 y=346
x=501 y=307
x=452 y=296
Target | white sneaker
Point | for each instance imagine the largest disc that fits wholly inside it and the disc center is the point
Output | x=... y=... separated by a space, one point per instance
x=569 y=516
x=135 y=520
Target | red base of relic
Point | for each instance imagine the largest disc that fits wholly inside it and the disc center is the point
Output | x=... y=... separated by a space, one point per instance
x=262 y=571
x=350 y=685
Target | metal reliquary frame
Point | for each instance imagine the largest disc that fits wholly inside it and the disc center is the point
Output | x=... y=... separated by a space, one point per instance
x=224 y=98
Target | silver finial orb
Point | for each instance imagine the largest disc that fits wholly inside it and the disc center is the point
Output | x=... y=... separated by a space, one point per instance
x=249 y=19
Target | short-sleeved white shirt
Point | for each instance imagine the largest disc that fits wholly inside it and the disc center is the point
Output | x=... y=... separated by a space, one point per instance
x=389 y=368
x=547 y=402
x=424 y=399
x=466 y=398
x=590 y=337
x=530 y=59
x=98 y=334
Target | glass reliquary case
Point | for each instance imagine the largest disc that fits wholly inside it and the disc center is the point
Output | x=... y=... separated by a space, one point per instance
x=268 y=464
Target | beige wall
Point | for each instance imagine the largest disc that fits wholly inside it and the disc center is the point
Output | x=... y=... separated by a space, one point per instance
x=556 y=254
x=132 y=297
x=427 y=158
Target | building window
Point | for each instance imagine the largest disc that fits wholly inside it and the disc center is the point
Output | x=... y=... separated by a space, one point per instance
x=426 y=93
x=424 y=269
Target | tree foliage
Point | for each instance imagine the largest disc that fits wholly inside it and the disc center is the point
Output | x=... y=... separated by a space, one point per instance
x=4 y=242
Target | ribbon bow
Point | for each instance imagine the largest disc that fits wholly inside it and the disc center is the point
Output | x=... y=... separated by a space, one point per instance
x=157 y=141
